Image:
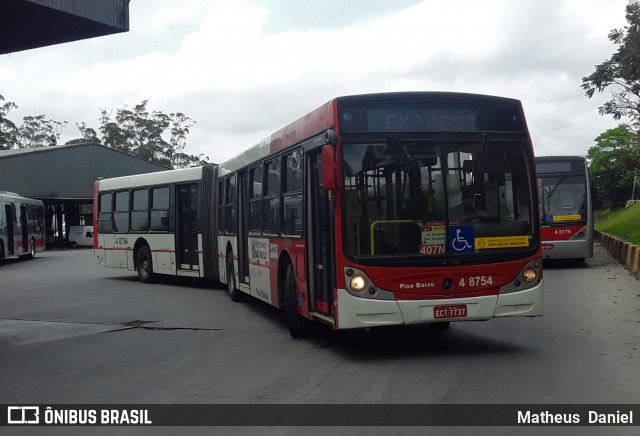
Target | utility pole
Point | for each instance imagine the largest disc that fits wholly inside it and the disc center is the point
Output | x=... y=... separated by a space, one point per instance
x=635 y=193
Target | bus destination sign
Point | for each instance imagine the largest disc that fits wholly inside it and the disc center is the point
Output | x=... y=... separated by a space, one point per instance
x=429 y=117
x=421 y=120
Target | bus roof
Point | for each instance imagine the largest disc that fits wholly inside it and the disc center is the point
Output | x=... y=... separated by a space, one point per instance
x=12 y=196
x=150 y=179
x=560 y=158
x=324 y=117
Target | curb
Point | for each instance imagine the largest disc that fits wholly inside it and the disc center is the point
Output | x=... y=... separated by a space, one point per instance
x=625 y=252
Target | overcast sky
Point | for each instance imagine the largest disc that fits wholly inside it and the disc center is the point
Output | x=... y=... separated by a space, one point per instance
x=243 y=69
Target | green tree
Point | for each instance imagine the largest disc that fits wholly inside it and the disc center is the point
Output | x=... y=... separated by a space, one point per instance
x=142 y=133
x=611 y=165
x=89 y=135
x=621 y=71
x=39 y=132
x=7 y=128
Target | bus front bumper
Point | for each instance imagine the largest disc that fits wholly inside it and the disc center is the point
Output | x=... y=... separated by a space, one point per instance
x=354 y=312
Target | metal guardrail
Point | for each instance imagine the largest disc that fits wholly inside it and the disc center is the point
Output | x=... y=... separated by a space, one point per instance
x=627 y=253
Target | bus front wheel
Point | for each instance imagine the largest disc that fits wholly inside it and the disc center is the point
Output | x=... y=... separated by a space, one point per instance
x=144 y=266
x=298 y=325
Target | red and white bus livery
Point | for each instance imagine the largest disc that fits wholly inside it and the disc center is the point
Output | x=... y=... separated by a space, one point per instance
x=566 y=210
x=22 y=230
x=158 y=223
x=386 y=209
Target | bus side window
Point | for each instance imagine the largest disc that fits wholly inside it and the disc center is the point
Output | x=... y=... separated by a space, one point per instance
x=140 y=210
x=292 y=195
x=121 y=212
x=104 y=216
x=221 y=198
x=271 y=219
x=230 y=207
x=160 y=209
x=255 y=199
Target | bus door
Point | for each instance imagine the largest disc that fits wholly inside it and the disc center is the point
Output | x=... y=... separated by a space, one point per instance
x=243 y=227
x=320 y=238
x=9 y=213
x=187 y=227
x=24 y=226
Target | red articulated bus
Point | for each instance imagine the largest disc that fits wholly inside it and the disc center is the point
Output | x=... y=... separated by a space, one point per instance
x=386 y=209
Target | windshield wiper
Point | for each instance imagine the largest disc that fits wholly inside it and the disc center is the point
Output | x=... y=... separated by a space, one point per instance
x=401 y=151
x=406 y=160
x=478 y=170
x=550 y=192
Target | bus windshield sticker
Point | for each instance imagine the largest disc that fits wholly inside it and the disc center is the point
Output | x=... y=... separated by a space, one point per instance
x=560 y=218
x=434 y=239
x=462 y=239
x=502 y=242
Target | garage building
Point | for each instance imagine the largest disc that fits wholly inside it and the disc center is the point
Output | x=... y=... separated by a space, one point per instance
x=63 y=176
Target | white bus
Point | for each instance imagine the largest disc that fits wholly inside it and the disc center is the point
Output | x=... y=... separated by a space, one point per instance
x=158 y=223
x=21 y=226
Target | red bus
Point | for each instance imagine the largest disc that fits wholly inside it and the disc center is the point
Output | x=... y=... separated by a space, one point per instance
x=22 y=231
x=387 y=209
x=566 y=210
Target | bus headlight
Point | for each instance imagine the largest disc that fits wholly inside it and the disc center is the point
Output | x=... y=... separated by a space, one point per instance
x=529 y=275
x=358 y=283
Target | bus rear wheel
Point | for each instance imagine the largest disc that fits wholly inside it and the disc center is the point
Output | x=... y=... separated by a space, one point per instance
x=144 y=266
x=298 y=325
x=32 y=251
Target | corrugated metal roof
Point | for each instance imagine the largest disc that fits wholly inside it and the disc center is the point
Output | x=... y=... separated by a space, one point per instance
x=110 y=12
x=27 y=24
x=66 y=171
x=61 y=148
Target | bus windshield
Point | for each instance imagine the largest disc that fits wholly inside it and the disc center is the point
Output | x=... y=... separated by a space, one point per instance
x=563 y=198
x=437 y=198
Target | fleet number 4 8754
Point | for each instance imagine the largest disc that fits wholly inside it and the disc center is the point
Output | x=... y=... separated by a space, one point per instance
x=476 y=281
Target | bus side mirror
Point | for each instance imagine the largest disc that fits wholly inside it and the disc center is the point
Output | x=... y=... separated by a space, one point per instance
x=329 y=179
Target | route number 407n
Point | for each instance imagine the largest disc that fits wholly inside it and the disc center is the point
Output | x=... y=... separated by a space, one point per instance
x=476 y=281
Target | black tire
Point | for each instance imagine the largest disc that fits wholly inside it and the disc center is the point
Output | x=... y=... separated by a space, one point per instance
x=144 y=265
x=234 y=293
x=299 y=326
x=1 y=251
x=440 y=326
x=74 y=244
x=32 y=251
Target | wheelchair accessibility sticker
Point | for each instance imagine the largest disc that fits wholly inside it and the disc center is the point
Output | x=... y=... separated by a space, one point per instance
x=462 y=239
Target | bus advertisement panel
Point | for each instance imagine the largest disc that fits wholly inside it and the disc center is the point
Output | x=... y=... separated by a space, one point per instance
x=566 y=211
x=386 y=209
